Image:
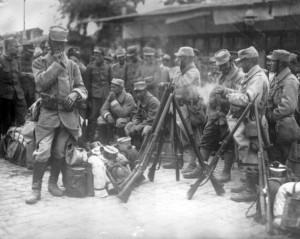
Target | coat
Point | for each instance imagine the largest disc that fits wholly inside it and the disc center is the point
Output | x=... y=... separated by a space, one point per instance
x=122 y=107
x=10 y=78
x=283 y=97
x=130 y=73
x=27 y=79
x=97 y=80
x=52 y=78
x=118 y=71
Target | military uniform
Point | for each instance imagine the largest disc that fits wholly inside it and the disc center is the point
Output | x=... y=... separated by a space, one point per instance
x=97 y=80
x=12 y=101
x=27 y=79
x=118 y=71
x=282 y=102
x=57 y=125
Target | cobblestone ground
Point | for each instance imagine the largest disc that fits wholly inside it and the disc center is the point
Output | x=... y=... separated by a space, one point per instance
x=156 y=209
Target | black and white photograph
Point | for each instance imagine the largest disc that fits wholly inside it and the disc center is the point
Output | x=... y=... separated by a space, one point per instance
x=149 y=119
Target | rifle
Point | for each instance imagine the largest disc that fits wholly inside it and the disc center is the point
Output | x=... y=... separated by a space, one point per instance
x=145 y=157
x=208 y=169
x=264 y=193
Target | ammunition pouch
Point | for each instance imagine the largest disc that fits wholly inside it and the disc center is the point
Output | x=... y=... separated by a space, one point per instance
x=250 y=127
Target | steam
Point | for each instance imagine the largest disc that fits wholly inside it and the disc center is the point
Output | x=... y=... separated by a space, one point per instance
x=205 y=91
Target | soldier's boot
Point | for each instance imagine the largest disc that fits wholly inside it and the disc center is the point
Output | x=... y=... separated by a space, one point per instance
x=189 y=160
x=55 y=167
x=63 y=170
x=196 y=172
x=120 y=132
x=102 y=134
x=249 y=194
x=39 y=169
x=110 y=133
x=225 y=175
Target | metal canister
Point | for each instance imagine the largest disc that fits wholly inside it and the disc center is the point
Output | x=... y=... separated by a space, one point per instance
x=89 y=181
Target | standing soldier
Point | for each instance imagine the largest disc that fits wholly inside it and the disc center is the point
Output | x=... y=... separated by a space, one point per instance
x=12 y=101
x=255 y=83
x=97 y=81
x=27 y=79
x=133 y=63
x=118 y=69
x=282 y=103
x=187 y=82
x=152 y=73
x=59 y=82
x=216 y=127
x=73 y=54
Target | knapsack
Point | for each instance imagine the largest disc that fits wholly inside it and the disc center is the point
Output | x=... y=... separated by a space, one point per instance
x=15 y=146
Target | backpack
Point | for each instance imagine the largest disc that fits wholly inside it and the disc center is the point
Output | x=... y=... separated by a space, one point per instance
x=15 y=146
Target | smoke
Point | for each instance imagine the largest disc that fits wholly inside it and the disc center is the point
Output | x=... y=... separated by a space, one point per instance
x=205 y=91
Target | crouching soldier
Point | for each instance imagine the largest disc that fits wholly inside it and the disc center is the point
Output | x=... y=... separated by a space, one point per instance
x=59 y=82
x=146 y=111
x=115 y=112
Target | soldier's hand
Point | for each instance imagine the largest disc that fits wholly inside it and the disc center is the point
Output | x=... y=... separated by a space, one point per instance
x=218 y=89
x=131 y=132
x=110 y=119
x=111 y=96
x=70 y=100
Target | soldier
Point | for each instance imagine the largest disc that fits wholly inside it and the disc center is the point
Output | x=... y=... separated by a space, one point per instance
x=187 y=81
x=166 y=61
x=115 y=112
x=59 y=82
x=282 y=103
x=213 y=71
x=118 y=69
x=73 y=54
x=133 y=63
x=216 y=128
x=12 y=100
x=142 y=120
x=151 y=73
x=44 y=46
x=97 y=80
x=255 y=82
x=27 y=79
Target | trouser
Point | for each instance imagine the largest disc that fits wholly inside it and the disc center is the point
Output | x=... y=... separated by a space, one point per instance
x=96 y=104
x=12 y=113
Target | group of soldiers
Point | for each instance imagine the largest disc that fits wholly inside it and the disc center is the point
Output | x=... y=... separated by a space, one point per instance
x=122 y=99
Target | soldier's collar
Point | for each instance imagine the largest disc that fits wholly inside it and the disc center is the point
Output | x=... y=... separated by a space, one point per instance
x=254 y=70
x=188 y=67
x=121 y=96
x=282 y=74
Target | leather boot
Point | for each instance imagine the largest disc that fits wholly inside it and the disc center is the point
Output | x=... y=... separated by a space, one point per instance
x=55 y=167
x=189 y=159
x=249 y=194
x=39 y=169
x=196 y=172
x=225 y=175
x=109 y=133
x=102 y=134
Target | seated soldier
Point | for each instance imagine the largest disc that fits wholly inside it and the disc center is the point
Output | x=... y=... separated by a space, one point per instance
x=147 y=107
x=115 y=112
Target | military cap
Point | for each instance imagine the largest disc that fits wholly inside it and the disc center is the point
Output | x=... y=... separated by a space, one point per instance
x=280 y=55
x=212 y=60
x=185 y=51
x=118 y=82
x=121 y=52
x=131 y=50
x=58 y=33
x=250 y=52
x=29 y=47
x=108 y=58
x=73 y=51
x=99 y=49
x=141 y=85
x=110 y=152
x=11 y=41
x=148 y=51
x=222 y=57
x=196 y=52
x=166 y=57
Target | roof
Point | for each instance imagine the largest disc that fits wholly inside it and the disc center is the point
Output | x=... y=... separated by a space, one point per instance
x=172 y=10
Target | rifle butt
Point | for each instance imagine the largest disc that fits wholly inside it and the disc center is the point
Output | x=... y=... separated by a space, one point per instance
x=151 y=174
x=195 y=186
x=219 y=187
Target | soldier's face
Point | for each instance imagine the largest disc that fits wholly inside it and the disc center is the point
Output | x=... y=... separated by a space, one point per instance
x=225 y=68
x=140 y=94
x=245 y=65
x=148 y=59
x=274 y=65
x=13 y=50
x=121 y=60
x=57 y=46
x=99 y=58
x=116 y=89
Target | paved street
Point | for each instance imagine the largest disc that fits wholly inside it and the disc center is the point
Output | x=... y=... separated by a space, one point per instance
x=156 y=209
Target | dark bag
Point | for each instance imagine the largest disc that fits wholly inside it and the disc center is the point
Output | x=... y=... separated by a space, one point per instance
x=287 y=130
x=15 y=146
x=76 y=182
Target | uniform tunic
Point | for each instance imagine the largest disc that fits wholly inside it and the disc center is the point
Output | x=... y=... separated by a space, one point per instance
x=255 y=82
x=130 y=73
x=12 y=101
x=118 y=71
x=54 y=127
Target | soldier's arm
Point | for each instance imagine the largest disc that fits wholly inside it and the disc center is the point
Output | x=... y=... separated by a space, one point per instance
x=105 y=109
x=153 y=107
x=78 y=86
x=44 y=76
x=125 y=110
x=289 y=100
